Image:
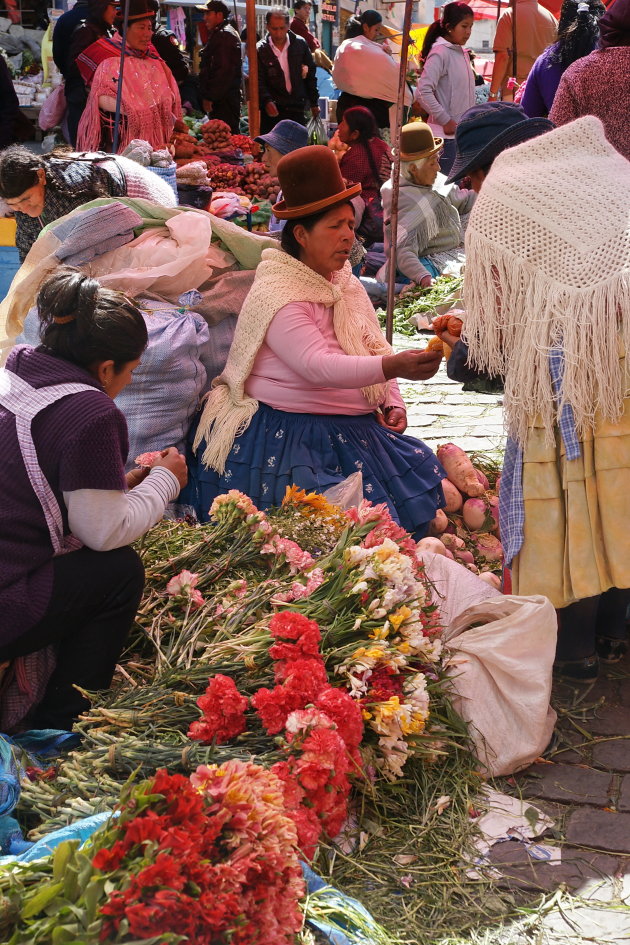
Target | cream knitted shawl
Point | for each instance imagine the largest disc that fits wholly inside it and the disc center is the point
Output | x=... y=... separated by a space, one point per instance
x=280 y=280
x=548 y=264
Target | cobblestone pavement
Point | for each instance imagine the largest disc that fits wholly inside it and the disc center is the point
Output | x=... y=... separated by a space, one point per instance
x=583 y=784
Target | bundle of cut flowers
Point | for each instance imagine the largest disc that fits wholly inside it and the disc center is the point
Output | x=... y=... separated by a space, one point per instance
x=206 y=860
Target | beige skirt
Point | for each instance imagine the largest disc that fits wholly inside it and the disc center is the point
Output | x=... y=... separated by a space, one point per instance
x=577 y=515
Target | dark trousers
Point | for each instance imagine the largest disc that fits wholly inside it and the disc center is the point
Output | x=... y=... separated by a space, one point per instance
x=76 y=98
x=580 y=624
x=286 y=111
x=94 y=600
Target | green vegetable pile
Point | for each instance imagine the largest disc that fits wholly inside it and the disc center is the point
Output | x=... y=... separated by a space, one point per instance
x=442 y=295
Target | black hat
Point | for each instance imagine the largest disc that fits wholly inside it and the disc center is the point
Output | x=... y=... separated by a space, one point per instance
x=484 y=131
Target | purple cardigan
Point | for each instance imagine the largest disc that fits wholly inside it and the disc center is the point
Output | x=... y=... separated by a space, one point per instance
x=542 y=83
x=81 y=443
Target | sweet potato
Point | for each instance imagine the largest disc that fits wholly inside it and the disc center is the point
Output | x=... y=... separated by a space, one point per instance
x=438 y=524
x=493 y=510
x=483 y=479
x=454 y=325
x=459 y=469
x=450 y=323
x=452 y=496
x=453 y=543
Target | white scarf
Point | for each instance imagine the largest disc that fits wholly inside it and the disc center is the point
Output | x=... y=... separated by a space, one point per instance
x=281 y=280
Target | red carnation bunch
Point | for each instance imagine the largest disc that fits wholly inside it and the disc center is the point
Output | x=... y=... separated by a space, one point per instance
x=322 y=726
x=213 y=859
x=296 y=637
x=223 y=710
x=384 y=683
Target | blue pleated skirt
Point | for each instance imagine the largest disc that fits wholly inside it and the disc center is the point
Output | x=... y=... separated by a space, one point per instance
x=315 y=452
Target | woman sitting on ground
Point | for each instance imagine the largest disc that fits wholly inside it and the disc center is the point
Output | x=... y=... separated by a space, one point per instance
x=150 y=102
x=369 y=160
x=67 y=575
x=41 y=188
x=429 y=210
x=308 y=394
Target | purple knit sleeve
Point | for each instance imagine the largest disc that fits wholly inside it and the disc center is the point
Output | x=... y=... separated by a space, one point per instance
x=95 y=457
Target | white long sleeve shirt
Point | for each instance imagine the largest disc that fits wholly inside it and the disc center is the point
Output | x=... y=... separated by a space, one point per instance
x=105 y=519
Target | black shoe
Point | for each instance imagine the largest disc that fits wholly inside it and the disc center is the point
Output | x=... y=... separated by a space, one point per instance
x=611 y=649
x=584 y=670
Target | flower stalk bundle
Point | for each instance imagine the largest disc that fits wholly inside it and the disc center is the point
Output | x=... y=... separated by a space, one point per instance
x=296 y=651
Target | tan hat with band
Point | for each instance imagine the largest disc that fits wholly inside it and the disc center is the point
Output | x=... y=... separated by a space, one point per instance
x=417 y=141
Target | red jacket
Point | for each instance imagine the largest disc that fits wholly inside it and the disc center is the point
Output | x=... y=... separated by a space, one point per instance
x=299 y=26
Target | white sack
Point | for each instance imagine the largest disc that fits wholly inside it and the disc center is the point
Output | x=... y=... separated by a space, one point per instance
x=503 y=652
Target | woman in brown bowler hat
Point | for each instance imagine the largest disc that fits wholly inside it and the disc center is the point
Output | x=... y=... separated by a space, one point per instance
x=308 y=395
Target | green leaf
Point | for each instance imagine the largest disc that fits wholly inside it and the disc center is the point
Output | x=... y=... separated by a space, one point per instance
x=61 y=858
x=71 y=883
x=40 y=900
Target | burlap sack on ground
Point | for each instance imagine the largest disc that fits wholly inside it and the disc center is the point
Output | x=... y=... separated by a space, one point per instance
x=503 y=652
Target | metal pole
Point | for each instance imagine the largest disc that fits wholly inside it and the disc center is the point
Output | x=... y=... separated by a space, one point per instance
x=120 y=78
x=514 y=52
x=393 y=224
x=253 y=102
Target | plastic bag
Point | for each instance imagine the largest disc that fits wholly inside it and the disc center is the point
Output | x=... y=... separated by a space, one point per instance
x=348 y=493
x=316 y=131
x=54 y=108
x=503 y=653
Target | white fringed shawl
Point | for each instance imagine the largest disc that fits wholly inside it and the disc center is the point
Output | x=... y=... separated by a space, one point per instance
x=280 y=280
x=548 y=264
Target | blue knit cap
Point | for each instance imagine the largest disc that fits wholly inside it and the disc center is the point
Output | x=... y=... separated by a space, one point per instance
x=285 y=137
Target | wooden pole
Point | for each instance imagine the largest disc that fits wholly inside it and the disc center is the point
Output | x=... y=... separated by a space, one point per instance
x=120 y=80
x=514 y=50
x=253 y=101
x=393 y=220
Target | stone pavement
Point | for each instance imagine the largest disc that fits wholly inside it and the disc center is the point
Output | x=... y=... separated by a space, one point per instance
x=583 y=784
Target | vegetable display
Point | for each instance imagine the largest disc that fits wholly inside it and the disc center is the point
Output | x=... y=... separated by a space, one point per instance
x=216 y=135
x=468 y=525
x=443 y=295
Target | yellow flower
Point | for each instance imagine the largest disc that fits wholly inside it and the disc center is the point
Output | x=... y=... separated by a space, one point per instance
x=399 y=617
x=380 y=633
x=366 y=715
x=404 y=647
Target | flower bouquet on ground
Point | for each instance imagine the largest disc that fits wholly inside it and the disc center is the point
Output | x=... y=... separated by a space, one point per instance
x=305 y=641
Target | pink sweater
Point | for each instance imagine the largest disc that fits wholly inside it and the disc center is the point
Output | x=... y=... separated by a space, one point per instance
x=301 y=367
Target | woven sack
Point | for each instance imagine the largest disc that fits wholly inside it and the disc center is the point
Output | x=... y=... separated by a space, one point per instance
x=167 y=174
x=503 y=652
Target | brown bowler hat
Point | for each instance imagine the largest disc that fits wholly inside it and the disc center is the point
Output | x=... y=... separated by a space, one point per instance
x=311 y=181
x=417 y=141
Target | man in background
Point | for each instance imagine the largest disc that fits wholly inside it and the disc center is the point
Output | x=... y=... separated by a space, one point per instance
x=534 y=28
x=286 y=73
x=221 y=67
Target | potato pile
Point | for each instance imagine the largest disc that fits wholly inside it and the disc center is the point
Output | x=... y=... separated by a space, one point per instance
x=258 y=182
x=468 y=526
x=216 y=135
x=246 y=144
x=226 y=177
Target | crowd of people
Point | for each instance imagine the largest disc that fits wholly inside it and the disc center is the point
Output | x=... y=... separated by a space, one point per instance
x=308 y=394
